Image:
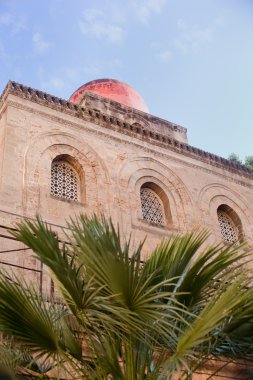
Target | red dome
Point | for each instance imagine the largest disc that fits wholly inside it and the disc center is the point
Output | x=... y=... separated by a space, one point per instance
x=114 y=90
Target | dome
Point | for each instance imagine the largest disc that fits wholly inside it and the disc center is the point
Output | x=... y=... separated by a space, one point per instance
x=112 y=89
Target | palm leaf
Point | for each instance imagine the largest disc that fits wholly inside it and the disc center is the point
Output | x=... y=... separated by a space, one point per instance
x=126 y=319
x=25 y=315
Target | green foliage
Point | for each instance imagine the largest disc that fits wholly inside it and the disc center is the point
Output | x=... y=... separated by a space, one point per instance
x=118 y=317
x=249 y=162
x=234 y=157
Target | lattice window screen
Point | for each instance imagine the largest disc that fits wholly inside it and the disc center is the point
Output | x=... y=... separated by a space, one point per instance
x=152 y=208
x=64 y=181
x=229 y=231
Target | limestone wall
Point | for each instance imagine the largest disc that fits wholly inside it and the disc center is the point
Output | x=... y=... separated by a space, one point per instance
x=113 y=160
x=114 y=165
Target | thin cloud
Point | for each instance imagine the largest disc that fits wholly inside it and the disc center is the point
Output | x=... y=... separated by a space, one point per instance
x=16 y=23
x=54 y=83
x=95 y=23
x=146 y=8
x=3 y=54
x=6 y=18
x=19 y=25
x=68 y=78
x=40 y=45
x=181 y=24
x=219 y=20
x=78 y=73
x=92 y=69
x=191 y=38
x=164 y=56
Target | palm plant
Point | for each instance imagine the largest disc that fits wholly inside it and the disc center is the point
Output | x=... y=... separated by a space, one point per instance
x=119 y=318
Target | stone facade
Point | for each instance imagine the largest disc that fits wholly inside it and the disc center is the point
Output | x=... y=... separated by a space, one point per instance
x=116 y=151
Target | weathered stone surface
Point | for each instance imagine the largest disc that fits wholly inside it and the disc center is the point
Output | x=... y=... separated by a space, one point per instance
x=117 y=149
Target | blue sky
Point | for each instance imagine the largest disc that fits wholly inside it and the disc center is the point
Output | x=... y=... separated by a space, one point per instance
x=191 y=60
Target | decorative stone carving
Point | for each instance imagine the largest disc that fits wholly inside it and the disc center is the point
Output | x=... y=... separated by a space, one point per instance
x=152 y=208
x=228 y=229
x=64 y=181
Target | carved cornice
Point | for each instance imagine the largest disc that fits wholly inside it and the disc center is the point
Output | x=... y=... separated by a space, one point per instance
x=153 y=148
x=114 y=123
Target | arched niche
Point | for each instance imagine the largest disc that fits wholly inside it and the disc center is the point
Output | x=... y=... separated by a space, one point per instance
x=132 y=176
x=215 y=195
x=95 y=181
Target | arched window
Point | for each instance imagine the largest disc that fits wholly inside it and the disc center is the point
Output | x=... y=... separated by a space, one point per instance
x=65 y=182
x=230 y=224
x=151 y=204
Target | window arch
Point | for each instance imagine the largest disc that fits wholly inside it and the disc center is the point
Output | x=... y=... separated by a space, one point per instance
x=154 y=204
x=230 y=224
x=65 y=180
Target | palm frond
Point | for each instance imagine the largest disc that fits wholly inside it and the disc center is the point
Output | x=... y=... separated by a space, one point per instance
x=124 y=319
x=196 y=270
x=27 y=316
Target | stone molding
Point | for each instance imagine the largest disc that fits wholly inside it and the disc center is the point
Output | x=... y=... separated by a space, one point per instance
x=115 y=123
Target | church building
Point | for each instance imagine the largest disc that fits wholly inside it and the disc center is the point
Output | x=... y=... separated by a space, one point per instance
x=103 y=152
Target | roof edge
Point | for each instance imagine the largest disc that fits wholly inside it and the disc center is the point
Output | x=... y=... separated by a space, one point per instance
x=81 y=112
